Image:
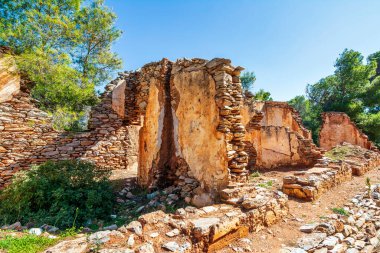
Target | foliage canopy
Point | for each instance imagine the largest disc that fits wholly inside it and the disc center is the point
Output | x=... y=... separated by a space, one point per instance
x=64 y=49
x=247 y=82
x=354 y=88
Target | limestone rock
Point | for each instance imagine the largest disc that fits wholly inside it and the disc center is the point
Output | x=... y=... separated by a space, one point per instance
x=78 y=245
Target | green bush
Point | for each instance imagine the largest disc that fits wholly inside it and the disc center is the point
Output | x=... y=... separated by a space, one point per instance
x=64 y=193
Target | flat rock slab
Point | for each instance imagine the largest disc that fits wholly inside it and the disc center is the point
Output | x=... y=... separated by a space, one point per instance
x=78 y=245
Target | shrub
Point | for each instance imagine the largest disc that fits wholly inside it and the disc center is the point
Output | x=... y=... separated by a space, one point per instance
x=64 y=194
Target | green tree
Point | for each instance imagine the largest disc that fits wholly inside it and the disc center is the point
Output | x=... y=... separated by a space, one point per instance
x=353 y=89
x=375 y=57
x=263 y=95
x=309 y=113
x=247 y=80
x=64 y=49
x=93 y=56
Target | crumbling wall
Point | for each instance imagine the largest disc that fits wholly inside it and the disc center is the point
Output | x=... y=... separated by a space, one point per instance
x=27 y=137
x=281 y=114
x=337 y=128
x=276 y=132
x=328 y=173
x=189 y=113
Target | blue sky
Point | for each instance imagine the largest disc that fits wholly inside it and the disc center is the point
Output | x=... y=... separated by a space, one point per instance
x=287 y=43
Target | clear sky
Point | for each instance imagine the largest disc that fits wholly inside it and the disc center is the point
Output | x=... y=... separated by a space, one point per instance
x=287 y=43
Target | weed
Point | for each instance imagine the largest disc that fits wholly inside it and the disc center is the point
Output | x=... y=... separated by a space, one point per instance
x=338 y=153
x=255 y=174
x=26 y=244
x=267 y=184
x=339 y=210
x=368 y=183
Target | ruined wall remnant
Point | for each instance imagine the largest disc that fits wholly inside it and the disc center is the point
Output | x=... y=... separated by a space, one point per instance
x=190 y=125
x=27 y=137
x=338 y=128
x=183 y=123
x=328 y=173
x=276 y=132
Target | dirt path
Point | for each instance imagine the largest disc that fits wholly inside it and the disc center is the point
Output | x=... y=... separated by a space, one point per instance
x=287 y=232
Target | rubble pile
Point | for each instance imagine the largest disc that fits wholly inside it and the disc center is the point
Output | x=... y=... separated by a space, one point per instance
x=192 y=229
x=356 y=229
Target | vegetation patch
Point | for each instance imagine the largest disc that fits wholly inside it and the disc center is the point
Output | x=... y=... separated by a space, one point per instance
x=267 y=184
x=339 y=210
x=64 y=194
x=339 y=153
x=26 y=243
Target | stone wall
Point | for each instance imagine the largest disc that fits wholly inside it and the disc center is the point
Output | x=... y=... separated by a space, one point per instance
x=278 y=138
x=27 y=137
x=181 y=123
x=328 y=173
x=337 y=128
x=190 y=124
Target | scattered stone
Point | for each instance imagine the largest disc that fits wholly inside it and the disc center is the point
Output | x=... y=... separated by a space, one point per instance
x=78 y=245
x=359 y=244
x=135 y=227
x=172 y=233
x=131 y=241
x=330 y=242
x=35 y=231
x=171 y=246
x=111 y=227
x=308 y=228
x=100 y=237
x=154 y=235
x=145 y=248
x=311 y=241
x=15 y=226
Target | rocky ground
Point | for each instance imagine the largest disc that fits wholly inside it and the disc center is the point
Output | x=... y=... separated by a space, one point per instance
x=287 y=232
x=256 y=217
x=355 y=228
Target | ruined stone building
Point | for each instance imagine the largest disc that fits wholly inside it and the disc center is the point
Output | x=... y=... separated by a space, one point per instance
x=337 y=128
x=183 y=123
x=276 y=133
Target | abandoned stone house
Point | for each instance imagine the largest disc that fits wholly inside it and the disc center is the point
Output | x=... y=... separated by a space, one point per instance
x=185 y=123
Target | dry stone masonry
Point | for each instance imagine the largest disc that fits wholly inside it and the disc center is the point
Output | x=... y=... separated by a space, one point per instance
x=276 y=133
x=185 y=124
x=189 y=113
x=310 y=184
x=192 y=230
x=27 y=137
x=192 y=134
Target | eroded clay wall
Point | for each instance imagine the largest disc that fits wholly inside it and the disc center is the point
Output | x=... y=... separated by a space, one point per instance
x=196 y=118
x=188 y=111
x=275 y=131
x=338 y=128
x=9 y=80
x=281 y=114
